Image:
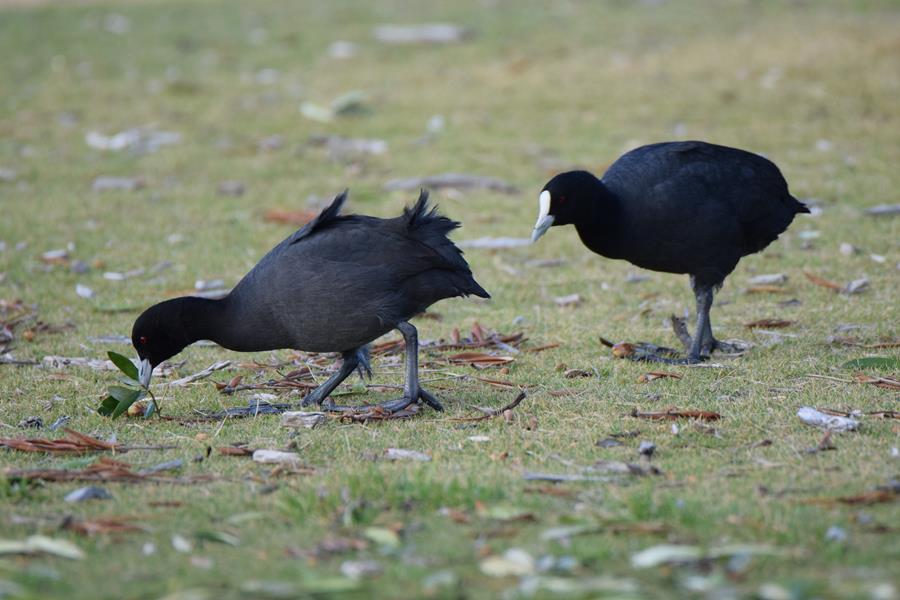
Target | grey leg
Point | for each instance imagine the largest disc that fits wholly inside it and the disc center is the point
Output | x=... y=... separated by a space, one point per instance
x=709 y=344
x=318 y=395
x=411 y=337
x=704 y=328
x=411 y=390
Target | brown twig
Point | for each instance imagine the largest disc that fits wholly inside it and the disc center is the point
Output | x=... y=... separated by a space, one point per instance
x=491 y=413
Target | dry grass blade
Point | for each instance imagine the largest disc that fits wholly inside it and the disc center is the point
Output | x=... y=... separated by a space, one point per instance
x=498 y=383
x=677 y=413
x=543 y=347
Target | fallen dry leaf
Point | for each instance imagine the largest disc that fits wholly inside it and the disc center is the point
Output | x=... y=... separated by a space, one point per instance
x=874 y=497
x=101 y=525
x=104 y=469
x=652 y=375
x=677 y=413
x=478 y=359
x=850 y=341
x=73 y=443
x=235 y=451
x=888 y=383
x=823 y=282
x=769 y=324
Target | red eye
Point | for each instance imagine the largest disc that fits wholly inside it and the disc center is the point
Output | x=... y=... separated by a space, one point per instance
x=143 y=340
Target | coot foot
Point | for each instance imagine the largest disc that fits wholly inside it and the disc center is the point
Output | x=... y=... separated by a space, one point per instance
x=430 y=400
x=728 y=347
x=391 y=406
x=687 y=360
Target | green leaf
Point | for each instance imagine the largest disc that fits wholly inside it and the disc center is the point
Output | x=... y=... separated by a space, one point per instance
x=108 y=405
x=383 y=536
x=220 y=537
x=130 y=382
x=151 y=408
x=126 y=398
x=873 y=362
x=124 y=363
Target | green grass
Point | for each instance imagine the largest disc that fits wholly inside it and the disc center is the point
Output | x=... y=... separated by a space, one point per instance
x=540 y=87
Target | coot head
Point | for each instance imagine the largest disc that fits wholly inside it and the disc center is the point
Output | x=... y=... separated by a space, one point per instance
x=158 y=335
x=563 y=200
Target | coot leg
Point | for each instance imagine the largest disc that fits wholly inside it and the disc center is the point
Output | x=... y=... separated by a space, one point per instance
x=318 y=395
x=704 y=328
x=411 y=390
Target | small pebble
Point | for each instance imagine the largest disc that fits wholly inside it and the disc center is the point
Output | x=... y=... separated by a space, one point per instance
x=647 y=449
x=31 y=423
x=357 y=569
x=88 y=493
x=181 y=544
x=836 y=534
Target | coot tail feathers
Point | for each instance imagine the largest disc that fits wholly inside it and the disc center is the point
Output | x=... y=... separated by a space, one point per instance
x=421 y=216
x=425 y=224
x=799 y=206
x=328 y=216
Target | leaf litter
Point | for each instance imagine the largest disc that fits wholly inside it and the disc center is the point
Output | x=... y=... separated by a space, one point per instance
x=854 y=287
x=104 y=469
x=73 y=443
x=677 y=413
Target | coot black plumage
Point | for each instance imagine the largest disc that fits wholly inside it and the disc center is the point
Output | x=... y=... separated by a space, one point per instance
x=677 y=207
x=333 y=286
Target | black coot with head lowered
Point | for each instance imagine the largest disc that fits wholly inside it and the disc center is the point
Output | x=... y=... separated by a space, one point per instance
x=676 y=207
x=335 y=285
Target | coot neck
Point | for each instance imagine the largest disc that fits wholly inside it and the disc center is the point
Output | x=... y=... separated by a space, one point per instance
x=204 y=319
x=599 y=226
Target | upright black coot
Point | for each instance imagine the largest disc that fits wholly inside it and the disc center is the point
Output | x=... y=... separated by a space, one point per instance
x=333 y=286
x=677 y=207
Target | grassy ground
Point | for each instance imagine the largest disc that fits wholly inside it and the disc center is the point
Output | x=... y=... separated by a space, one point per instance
x=538 y=88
